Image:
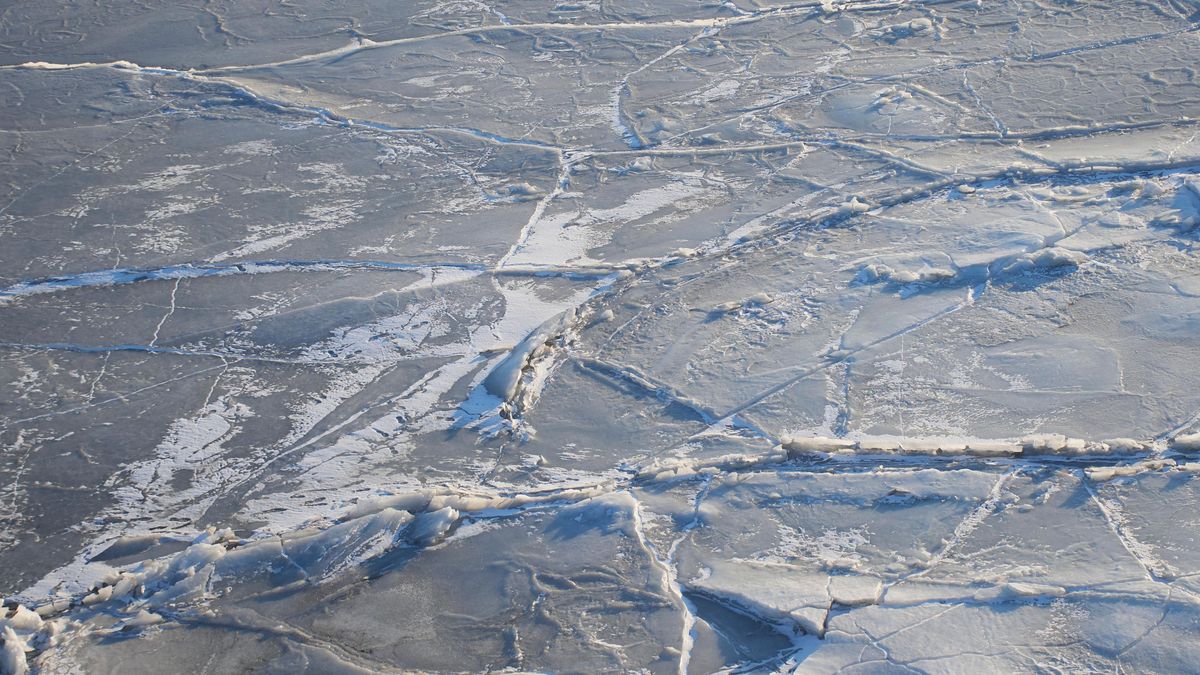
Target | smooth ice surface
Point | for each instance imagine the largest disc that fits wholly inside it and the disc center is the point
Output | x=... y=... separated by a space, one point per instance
x=631 y=335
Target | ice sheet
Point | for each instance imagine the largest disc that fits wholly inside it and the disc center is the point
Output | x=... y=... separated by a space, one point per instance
x=599 y=336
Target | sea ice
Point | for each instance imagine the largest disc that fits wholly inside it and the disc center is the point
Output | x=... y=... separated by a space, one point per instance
x=640 y=336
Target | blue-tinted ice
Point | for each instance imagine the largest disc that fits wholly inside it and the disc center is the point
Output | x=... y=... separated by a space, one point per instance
x=599 y=336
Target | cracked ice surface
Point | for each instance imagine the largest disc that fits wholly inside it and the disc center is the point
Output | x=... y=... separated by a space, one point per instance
x=600 y=336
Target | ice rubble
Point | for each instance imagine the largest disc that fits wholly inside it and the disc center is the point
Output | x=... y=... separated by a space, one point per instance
x=1049 y=258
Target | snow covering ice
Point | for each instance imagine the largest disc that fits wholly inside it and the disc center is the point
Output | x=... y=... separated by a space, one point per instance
x=628 y=336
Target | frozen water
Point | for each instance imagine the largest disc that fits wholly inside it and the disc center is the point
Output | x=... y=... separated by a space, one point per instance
x=600 y=336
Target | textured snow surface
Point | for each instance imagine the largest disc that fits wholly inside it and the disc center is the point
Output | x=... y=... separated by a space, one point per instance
x=611 y=335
